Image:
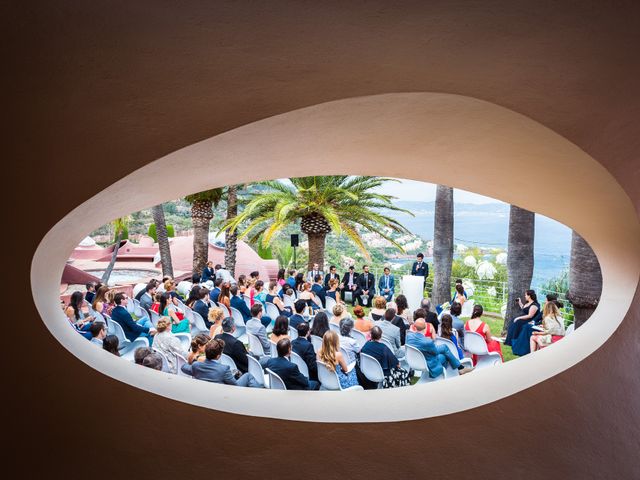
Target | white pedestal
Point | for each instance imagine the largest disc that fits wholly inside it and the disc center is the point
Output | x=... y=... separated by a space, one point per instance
x=413 y=289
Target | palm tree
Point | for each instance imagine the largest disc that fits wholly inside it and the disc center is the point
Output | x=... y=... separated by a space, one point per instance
x=201 y=215
x=442 y=245
x=338 y=203
x=519 y=259
x=163 y=240
x=585 y=280
x=119 y=227
x=231 y=237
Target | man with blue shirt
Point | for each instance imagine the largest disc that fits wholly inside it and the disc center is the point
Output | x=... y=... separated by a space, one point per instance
x=386 y=284
x=214 y=294
x=437 y=356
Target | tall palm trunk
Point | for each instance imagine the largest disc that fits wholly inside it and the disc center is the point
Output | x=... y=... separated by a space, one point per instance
x=231 y=239
x=442 y=245
x=585 y=280
x=316 y=249
x=163 y=240
x=201 y=215
x=519 y=259
x=119 y=230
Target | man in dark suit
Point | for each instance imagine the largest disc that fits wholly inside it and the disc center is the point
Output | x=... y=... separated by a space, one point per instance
x=215 y=293
x=132 y=330
x=366 y=287
x=208 y=273
x=297 y=318
x=333 y=273
x=350 y=284
x=211 y=370
x=91 y=292
x=319 y=290
x=201 y=307
x=420 y=268
x=303 y=347
x=232 y=346
x=287 y=370
x=239 y=304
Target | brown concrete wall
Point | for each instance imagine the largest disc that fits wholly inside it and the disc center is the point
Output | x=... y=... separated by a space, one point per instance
x=102 y=88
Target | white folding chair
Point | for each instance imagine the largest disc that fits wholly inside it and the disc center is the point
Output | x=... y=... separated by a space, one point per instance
x=302 y=366
x=329 y=379
x=293 y=333
x=255 y=347
x=359 y=337
x=467 y=362
x=275 y=382
x=138 y=287
x=119 y=332
x=238 y=319
x=570 y=329
x=247 y=300
x=474 y=343
x=288 y=301
x=129 y=351
x=371 y=368
x=272 y=310
x=316 y=341
x=180 y=361
x=131 y=306
x=334 y=327
x=198 y=325
x=389 y=344
x=417 y=362
x=154 y=318
x=224 y=308
x=274 y=349
x=185 y=340
x=330 y=302
x=165 y=361
x=255 y=369
x=230 y=362
x=467 y=309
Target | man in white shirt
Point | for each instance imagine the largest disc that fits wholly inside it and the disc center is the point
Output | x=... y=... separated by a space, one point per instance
x=311 y=275
x=224 y=274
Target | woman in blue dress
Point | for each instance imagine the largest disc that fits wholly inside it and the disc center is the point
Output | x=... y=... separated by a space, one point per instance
x=333 y=358
x=519 y=332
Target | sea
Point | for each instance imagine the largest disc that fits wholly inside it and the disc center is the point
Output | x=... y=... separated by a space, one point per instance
x=487 y=225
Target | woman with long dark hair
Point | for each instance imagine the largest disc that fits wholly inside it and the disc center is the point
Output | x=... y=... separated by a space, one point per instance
x=320 y=324
x=111 y=343
x=475 y=324
x=169 y=309
x=530 y=313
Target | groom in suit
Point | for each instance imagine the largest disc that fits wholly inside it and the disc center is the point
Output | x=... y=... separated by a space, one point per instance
x=366 y=286
x=386 y=284
x=420 y=268
x=350 y=284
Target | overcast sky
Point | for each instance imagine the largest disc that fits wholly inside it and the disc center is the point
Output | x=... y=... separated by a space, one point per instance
x=426 y=192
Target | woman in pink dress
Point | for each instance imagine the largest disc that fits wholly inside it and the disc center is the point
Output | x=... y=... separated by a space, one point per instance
x=475 y=324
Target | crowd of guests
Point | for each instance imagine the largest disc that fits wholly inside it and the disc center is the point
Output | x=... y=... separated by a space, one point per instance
x=303 y=326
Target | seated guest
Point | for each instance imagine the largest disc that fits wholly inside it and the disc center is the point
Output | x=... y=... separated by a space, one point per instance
x=362 y=323
x=238 y=302
x=398 y=321
x=140 y=353
x=291 y=281
x=167 y=343
x=110 y=343
x=459 y=295
x=308 y=296
x=475 y=324
x=347 y=342
x=153 y=360
x=91 y=292
x=402 y=309
x=366 y=287
x=379 y=307
x=224 y=297
x=149 y=292
x=168 y=308
x=197 y=348
x=98 y=332
x=170 y=289
x=447 y=331
x=280 y=277
x=349 y=285
x=208 y=273
x=272 y=297
x=458 y=325
x=242 y=284
x=260 y=295
x=280 y=329
x=339 y=312
x=256 y=327
x=530 y=311
x=332 y=357
x=315 y=271
x=224 y=275
x=76 y=316
x=232 y=346
x=320 y=324
x=394 y=375
x=431 y=317
x=429 y=331
x=296 y=319
x=552 y=327
x=131 y=329
x=333 y=291
x=215 y=320
x=386 y=284
x=287 y=370
x=194 y=295
x=211 y=370
x=215 y=293
x=299 y=285
x=201 y=307
x=318 y=290
x=303 y=347
x=437 y=356
x=391 y=332
x=100 y=300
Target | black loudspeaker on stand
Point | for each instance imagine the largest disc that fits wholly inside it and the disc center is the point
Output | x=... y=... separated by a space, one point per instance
x=295 y=241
